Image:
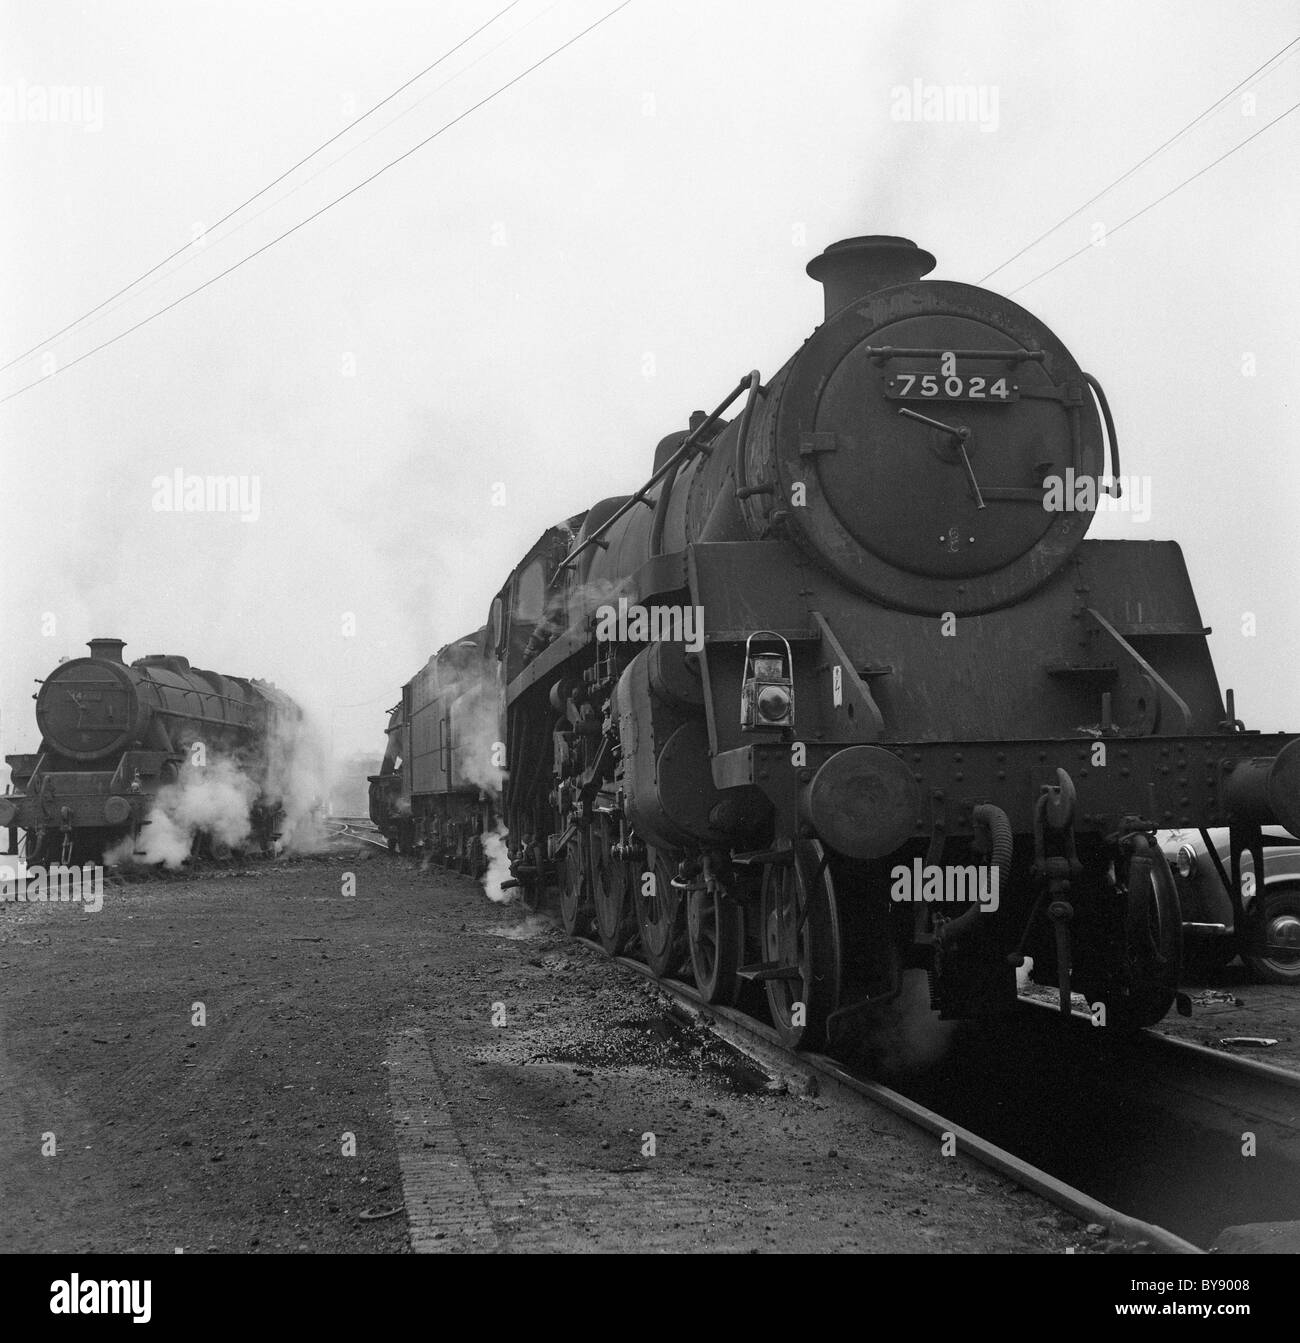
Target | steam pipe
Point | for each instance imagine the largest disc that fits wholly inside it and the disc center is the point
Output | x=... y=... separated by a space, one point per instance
x=994 y=822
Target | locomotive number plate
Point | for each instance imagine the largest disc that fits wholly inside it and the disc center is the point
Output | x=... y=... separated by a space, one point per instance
x=954 y=387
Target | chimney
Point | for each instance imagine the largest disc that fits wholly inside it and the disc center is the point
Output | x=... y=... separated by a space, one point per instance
x=107 y=650
x=850 y=270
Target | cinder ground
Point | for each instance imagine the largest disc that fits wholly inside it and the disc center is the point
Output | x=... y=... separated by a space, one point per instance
x=498 y=1085
x=1228 y=1007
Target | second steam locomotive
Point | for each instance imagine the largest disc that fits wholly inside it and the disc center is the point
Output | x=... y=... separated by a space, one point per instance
x=113 y=736
x=844 y=690
x=435 y=786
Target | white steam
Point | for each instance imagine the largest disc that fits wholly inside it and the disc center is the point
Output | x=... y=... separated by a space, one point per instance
x=905 y=1035
x=498 y=866
x=477 y=719
x=219 y=798
x=480 y=752
x=298 y=779
x=478 y=723
x=215 y=799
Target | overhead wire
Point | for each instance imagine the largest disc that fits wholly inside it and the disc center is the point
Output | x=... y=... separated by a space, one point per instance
x=18 y=358
x=392 y=163
x=1159 y=149
x=131 y=292
x=1110 y=232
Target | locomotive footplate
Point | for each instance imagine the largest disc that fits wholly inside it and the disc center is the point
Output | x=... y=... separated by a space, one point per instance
x=74 y=799
x=1241 y=778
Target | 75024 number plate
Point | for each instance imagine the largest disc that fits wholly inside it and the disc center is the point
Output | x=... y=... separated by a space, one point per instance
x=954 y=387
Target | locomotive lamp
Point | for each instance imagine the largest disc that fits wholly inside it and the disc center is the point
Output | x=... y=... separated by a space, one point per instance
x=1185 y=864
x=767 y=694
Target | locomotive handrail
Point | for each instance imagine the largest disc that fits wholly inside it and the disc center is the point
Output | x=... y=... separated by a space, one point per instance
x=750 y=380
x=1013 y=356
x=742 y=439
x=187 y=690
x=1118 y=491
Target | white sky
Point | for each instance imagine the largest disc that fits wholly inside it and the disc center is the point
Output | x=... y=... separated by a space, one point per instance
x=658 y=189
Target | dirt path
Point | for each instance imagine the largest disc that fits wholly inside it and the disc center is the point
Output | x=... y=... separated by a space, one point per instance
x=410 y=1066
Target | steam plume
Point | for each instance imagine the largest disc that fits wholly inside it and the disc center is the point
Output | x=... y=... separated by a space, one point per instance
x=217 y=799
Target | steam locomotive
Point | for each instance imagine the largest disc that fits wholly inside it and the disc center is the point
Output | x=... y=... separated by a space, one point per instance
x=434 y=793
x=113 y=736
x=842 y=689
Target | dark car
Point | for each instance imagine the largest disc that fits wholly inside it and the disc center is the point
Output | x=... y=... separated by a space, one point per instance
x=1210 y=935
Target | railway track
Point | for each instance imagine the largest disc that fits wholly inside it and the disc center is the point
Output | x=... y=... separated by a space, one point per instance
x=1171 y=1132
x=761 y=1043
x=362 y=832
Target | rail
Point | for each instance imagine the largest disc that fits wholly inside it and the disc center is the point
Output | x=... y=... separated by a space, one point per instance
x=346 y=830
